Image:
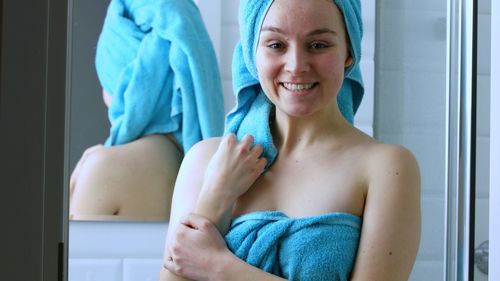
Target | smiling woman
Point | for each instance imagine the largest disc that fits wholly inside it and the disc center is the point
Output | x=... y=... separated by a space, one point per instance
x=294 y=191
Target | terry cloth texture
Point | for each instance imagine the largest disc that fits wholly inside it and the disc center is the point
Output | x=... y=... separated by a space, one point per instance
x=156 y=60
x=312 y=248
x=253 y=109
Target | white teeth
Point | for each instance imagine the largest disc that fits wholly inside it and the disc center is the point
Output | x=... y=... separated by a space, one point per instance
x=298 y=87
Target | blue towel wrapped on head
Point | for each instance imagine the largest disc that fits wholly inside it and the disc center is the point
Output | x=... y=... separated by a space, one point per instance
x=156 y=60
x=253 y=109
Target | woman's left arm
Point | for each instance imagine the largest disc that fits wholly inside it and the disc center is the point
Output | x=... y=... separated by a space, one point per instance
x=390 y=233
x=200 y=253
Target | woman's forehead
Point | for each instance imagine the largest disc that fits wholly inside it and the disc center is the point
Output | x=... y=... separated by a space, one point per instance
x=303 y=14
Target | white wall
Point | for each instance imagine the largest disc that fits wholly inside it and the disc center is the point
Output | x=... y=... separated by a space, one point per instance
x=410 y=110
x=410 y=92
x=483 y=129
x=494 y=251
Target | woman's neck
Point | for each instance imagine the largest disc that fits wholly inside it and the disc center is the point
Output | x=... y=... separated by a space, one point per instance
x=297 y=133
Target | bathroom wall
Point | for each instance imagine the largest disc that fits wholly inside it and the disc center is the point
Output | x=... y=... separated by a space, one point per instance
x=410 y=89
x=494 y=251
x=132 y=251
x=483 y=129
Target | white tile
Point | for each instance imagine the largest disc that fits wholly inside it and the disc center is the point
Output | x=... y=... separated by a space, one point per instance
x=141 y=269
x=230 y=12
x=481 y=231
x=230 y=36
x=483 y=105
x=116 y=239
x=433 y=229
x=410 y=100
x=484 y=6
x=484 y=44
x=483 y=167
x=412 y=6
x=368 y=41
x=428 y=270
x=482 y=221
x=415 y=39
x=94 y=270
x=229 y=98
x=365 y=111
x=479 y=276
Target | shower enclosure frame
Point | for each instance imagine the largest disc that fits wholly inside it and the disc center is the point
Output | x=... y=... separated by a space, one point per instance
x=461 y=139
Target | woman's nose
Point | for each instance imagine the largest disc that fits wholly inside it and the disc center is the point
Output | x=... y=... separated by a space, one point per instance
x=296 y=61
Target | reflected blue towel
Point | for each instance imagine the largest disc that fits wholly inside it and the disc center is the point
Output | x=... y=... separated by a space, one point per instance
x=315 y=248
x=156 y=60
x=252 y=111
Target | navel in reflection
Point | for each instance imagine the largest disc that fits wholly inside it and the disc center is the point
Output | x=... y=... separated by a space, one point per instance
x=161 y=83
x=294 y=191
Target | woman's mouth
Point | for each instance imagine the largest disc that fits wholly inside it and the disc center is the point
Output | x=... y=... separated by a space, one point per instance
x=298 y=86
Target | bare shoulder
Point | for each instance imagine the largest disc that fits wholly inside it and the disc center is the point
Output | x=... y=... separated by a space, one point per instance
x=391 y=220
x=203 y=150
x=189 y=181
x=393 y=163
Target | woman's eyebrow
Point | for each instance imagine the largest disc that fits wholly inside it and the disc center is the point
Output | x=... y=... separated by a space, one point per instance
x=322 y=31
x=312 y=33
x=272 y=29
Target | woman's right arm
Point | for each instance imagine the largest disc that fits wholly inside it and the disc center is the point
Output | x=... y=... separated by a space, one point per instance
x=213 y=175
x=186 y=192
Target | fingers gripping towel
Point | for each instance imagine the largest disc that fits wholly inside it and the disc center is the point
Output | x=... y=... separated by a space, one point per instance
x=312 y=248
x=252 y=111
x=156 y=60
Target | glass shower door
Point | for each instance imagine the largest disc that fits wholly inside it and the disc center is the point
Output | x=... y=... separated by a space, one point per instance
x=410 y=109
x=425 y=93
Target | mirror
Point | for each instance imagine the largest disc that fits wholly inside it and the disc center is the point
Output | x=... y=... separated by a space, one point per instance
x=155 y=107
x=405 y=71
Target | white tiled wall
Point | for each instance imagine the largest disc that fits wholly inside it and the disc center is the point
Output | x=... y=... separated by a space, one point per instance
x=410 y=110
x=494 y=250
x=115 y=251
x=410 y=107
x=483 y=128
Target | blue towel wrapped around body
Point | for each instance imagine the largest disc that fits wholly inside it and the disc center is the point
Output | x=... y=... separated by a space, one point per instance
x=315 y=248
x=253 y=109
x=156 y=60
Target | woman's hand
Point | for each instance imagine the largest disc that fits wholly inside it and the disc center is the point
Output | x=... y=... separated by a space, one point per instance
x=234 y=167
x=198 y=251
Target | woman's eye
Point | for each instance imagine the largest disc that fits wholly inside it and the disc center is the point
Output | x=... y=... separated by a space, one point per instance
x=318 y=45
x=275 y=46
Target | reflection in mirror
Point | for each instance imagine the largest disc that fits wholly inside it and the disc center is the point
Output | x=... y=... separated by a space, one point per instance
x=159 y=79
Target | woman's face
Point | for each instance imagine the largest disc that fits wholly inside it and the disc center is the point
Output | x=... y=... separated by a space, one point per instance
x=302 y=54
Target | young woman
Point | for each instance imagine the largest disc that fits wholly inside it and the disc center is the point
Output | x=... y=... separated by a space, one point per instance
x=334 y=204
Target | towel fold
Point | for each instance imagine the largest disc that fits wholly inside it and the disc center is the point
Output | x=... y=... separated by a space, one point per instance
x=156 y=60
x=252 y=111
x=316 y=248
